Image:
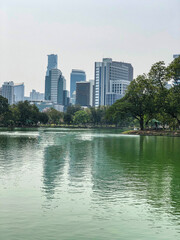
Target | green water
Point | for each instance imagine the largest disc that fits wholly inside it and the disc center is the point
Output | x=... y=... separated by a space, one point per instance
x=88 y=184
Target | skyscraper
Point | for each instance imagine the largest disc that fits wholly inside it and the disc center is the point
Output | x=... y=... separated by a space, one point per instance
x=61 y=88
x=111 y=81
x=83 y=91
x=52 y=63
x=18 y=92
x=55 y=85
x=8 y=91
x=76 y=76
x=54 y=79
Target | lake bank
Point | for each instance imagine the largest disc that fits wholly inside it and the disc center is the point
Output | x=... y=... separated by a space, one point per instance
x=154 y=133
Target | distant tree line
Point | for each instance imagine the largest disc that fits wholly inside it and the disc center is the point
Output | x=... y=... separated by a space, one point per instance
x=147 y=102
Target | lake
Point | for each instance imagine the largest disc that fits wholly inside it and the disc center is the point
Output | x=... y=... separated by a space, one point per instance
x=75 y=184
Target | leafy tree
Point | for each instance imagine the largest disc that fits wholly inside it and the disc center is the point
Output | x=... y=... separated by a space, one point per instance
x=172 y=106
x=174 y=70
x=43 y=117
x=73 y=109
x=68 y=118
x=55 y=117
x=119 y=113
x=81 y=117
x=4 y=110
x=158 y=75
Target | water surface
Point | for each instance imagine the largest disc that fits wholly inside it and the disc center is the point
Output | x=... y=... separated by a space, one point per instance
x=88 y=184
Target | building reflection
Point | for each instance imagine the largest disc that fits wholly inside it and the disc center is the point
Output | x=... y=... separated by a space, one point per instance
x=14 y=150
x=53 y=165
x=142 y=168
x=115 y=169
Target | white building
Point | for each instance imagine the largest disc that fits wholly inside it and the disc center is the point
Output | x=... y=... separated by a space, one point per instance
x=111 y=81
x=36 y=96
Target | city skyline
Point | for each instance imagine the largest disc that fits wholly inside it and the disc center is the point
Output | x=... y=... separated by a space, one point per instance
x=81 y=33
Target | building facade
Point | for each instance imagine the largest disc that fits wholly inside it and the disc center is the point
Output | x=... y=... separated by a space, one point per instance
x=83 y=93
x=76 y=76
x=18 y=92
x=52 y=62
x=36 y=96
x=8 y=91
x=111 y=81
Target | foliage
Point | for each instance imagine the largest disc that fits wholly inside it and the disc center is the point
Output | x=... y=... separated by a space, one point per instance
x=54 y=116
x=81 y=117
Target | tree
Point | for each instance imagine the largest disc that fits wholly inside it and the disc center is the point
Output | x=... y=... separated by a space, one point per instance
x=4 y=110
x=81 y=117
x=43 y=117
x=68 y=118
x=172 y=105
x=119 y=112
x=158 y=75
x=174 y=70
x=138 y=102
x=55 y=117
x=73 y=109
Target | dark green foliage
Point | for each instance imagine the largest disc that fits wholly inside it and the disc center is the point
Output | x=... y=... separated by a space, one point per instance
x=22 y=114
x=68 y=118
x=54 y=116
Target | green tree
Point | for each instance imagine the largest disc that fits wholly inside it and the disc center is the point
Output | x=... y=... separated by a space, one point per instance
x=68 y=118
x=172 y=106
x=4 y=110
x=55 y=117
x=138 y=102
x=81 y=117
x=174 y=70
x=43 y=118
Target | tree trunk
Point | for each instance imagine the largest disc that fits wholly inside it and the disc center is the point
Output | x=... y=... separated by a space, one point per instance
x=141 y=121
x=178 y=123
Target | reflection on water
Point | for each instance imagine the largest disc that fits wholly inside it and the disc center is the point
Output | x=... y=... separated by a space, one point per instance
x=96 y=180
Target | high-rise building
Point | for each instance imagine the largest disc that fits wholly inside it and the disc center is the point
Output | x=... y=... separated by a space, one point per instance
x=8 y=91
x=47 y=88
x=52 y=63
x=76 y=76
x=36 y=96
x=83 y=91
x=55 y=85
x=54 y=79
x=91 y=92
x=66 y=98
x=61 y=88
x=111 y=81
x=18 y=92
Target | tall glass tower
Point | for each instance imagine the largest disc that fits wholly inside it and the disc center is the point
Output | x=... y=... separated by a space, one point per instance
x=76 y=76
x=52 y=63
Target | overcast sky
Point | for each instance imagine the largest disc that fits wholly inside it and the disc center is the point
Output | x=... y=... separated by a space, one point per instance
x=81 y=32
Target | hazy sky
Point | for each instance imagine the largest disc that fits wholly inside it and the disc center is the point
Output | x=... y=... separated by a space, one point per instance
x=81 y=32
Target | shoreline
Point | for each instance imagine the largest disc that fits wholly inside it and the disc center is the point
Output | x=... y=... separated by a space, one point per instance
x=168 y=133
x=175 y=133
